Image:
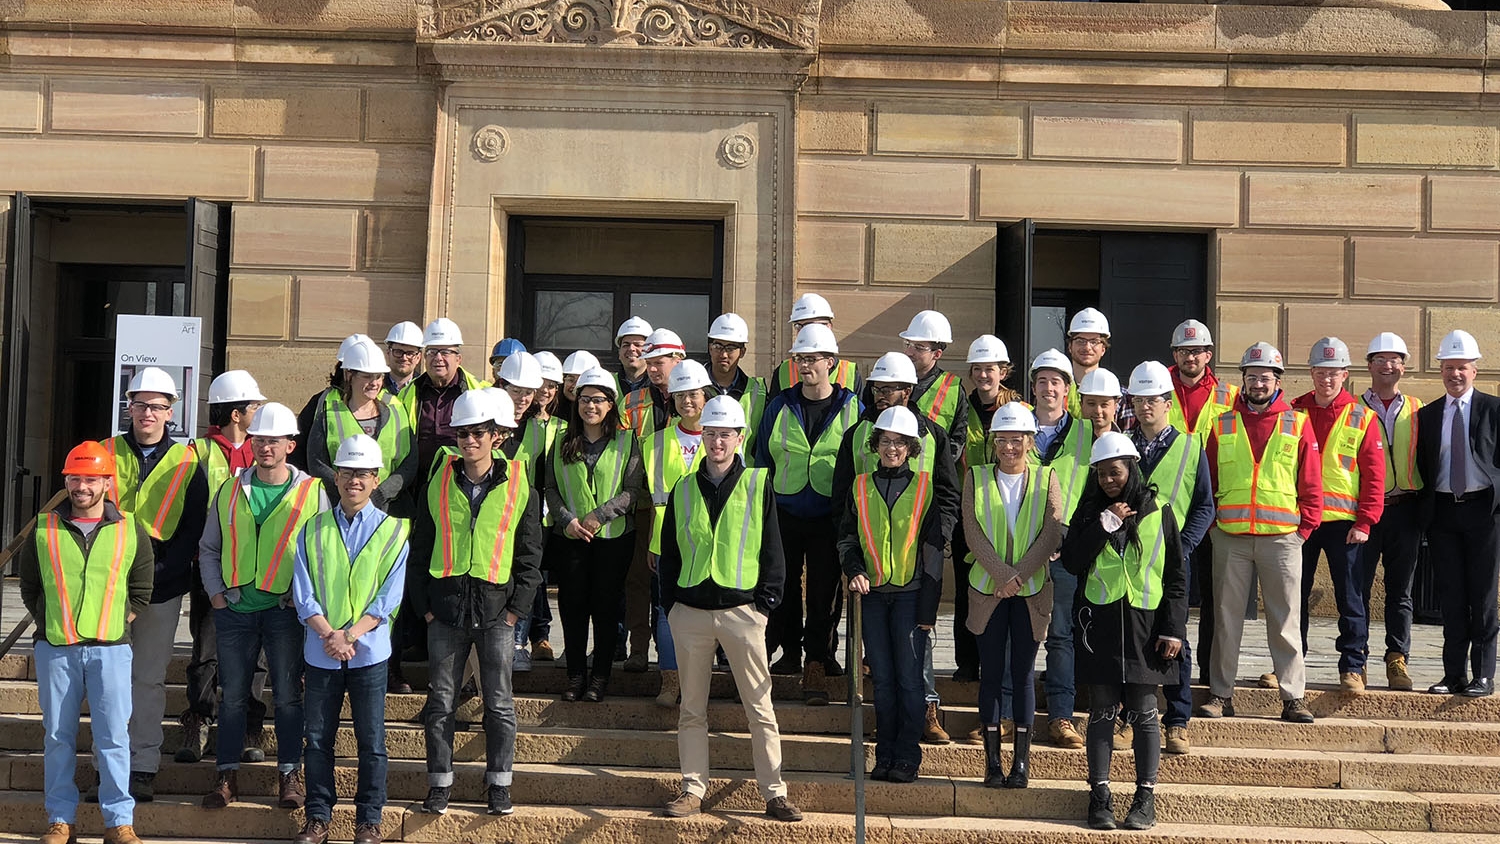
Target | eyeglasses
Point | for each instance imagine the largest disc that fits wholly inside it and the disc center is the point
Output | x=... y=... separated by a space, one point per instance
x=887 y=389
x=718 y=348
x=885 y=443
x=809 y=360
x=595 y=400
x=1195 y=352
x=1088 y=342
x=143 y=407
x=917 y=347
x=1147 y=400
x=714 y=436
x=261 y=442
x=520 y=392
x=469 y=433
x=360 y=474
x=1260 y=379
x=404 y=353
x=442 y=353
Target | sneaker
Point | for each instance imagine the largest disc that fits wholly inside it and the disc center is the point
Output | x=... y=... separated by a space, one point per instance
x=315 y=831
x=1124 y=734
x=881 y=772
x=1142 y=809
x=933 y=732
x=1268 y=681
x=782 y=810
x=1064 y=734
x=541 y=651
x=637 y=663
x=1296 y=711
x=499 y=800
x=521 y=661
x=903 y=772
x=194 y=738
x=252 y=751
x=1352 y=681
x=1215 y=707
x=1396 y=676
x=293 y=794
x=683 y=806
x=142 y=786
x=367 y=833
x=437 y=800
x=1101 y=807
x=1177 y=740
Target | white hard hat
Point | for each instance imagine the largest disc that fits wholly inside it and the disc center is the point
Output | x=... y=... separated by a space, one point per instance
x=1100 y=382
x=1262 y=354
x=1190 y=333
x=730 y=328
x=663 y=342
x=359 y=452
x=928 y=327
x=580 y=362
x=1111 y=445
x=894 y=368
x=722 y=412
x=597 y=377
x=1150 y=379
x=1052 y=359
x=1329 y=351
x=348 y=343
x=364 y=356
x=153 y=380
x=815 y=338
x=472 y=407
x=987 y=348
x=687 y=375
x=1013 y=416
x=501 y=403
x=898 y=420
x=1386 y=341
x=551 y=367
x=234 y=386
x=274 y=419
x=405 y=333
x=810 y=306
x=442 y=332
x=633 y=326
x=1089 y=321
x=1458 y=345
x=522 y=370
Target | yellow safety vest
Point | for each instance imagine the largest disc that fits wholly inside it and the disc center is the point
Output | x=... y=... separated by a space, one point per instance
x=1253 y=497
x=662 y=458
x=637 y=409
x=1134 y=576
x=1071 y=463
x=157 y=499
x=487 y=550
x=394 y=437
x=1221 y=402
x=1341 y=462
x=889 y=535
x=939 y=403
x=1176 y=475
x=844 y=374
x=1401 y=447
x=262 y=555
x=753 y=402
x=407 y=398
x=583 y=491
x=214 y=461
x=989 y=511
x=88 y=598
x=729 y=551
x=866 y=460
x=800 y=464
x=345 y=588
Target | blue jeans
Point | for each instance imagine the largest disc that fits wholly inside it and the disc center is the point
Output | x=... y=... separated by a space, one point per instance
x=325 y=697
x=242 y=636
x=666 y=652
x=64 y=676
x=1001 y=678
x=1061 y=694
x=447 y=651
x=1180 y=696
x=1347 y=573
x=895 y=649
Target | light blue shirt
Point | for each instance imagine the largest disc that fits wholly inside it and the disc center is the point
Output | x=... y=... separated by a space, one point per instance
x=375 y=646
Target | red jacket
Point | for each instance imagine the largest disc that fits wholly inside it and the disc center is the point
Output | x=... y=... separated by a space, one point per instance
x=239 y=458
x=1193 y=398
x=1371 y=457
x=1258 y=427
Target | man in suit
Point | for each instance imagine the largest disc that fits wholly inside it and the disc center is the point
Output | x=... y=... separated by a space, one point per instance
x=1456 y=448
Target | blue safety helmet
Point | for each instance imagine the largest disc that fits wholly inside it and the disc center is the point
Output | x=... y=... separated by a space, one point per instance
x=507 y=347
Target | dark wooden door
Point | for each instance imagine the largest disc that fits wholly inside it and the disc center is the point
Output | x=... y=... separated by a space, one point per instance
x=1013 y=277
x=1148 y=283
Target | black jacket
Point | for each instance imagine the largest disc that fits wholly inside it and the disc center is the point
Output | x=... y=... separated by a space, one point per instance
x=709 y=595
x=1484 y=430
x=928 y=582
x=139 y=581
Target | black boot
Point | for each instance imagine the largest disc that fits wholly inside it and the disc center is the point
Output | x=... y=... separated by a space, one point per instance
x=1101 y=807
x=574 y=691
x=1020 y=761
x=1142 y=809
x=994 y=769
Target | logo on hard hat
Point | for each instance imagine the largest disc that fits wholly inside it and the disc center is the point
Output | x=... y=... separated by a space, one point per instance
x=1190 y=333
x=1255 y=354
x=1329 y=353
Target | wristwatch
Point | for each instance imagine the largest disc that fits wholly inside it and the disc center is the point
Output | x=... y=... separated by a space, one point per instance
x=349 y=637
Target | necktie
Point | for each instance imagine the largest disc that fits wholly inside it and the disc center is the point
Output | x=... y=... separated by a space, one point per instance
x=1458 y=452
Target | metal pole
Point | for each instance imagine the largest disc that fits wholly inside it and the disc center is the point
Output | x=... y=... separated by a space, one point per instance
x=855 y=662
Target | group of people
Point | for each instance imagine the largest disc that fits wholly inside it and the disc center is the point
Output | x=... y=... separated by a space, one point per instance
x=416 y=512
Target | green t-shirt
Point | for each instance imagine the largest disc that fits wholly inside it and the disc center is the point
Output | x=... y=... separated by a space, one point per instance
x=263 y=499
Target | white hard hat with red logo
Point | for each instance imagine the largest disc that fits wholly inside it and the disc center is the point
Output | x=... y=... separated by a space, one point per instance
x=1262 y=354
x=663 y=342
x=1329 y=352
x=1191 y=334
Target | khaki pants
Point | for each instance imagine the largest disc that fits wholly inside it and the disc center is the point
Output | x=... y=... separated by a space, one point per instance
x=741 y=631
x=1276 y=561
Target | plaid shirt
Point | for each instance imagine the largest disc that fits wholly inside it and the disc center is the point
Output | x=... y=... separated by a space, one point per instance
x=1151 y=450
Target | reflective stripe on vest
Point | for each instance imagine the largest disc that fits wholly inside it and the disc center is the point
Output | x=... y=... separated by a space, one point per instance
x=1176 y=475
x=753 y=402
x=394 y=436
x=866 y=460
x=662 y=457
x=727 y=551
x=583 y=491
x=1341 y=462
x=843 y=375
x=214 y=461
x=1220 y=403
x=1071 y=464
x=989 y=511
x=345 y=588
x=881 y=524
x=487 y=549
x=939 y=403
x=637 y=410
x=1401 y=446
x=157 y=500
x=800 y=464
x=263 y=554
x=87 y=598
x=1258 y=497
x=1134 y=576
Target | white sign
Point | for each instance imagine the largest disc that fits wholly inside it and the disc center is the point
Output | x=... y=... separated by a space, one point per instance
x=170 y=343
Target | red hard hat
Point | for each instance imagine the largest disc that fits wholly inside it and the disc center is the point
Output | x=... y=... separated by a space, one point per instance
x=90 y=458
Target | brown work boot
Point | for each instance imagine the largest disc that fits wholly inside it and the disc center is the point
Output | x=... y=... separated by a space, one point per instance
x=1268 y=681
x=975 y=736
x=292 y=793
x=315 y=831
x=685 y=805
x=1064 y=734
x=1352 y=681
x=194 y=738
x=60 y=833
x=670 y=689
x=933 y=732
x=814 y=684
x=367 y=833
x=226 y=791
x=542 y=651
x=1215 y=707
x=1124 y=733
x=1395 y=673
x=782 y=809
x=1177 y=740
x=123 y=834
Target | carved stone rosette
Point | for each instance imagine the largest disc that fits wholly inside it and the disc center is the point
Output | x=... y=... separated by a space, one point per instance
x=737 y=151
x=490 y=142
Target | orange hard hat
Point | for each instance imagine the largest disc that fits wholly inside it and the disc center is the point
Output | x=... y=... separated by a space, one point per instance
x=90 y=458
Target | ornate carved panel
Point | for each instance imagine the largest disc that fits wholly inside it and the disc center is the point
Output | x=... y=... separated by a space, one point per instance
x=656 y=23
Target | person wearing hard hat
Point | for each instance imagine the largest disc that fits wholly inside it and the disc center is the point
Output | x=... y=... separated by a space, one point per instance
x=1353 y=500
x=540 y=431
x=349 y=573
x=245 y=560
x=1268 y=494
x=891 y=383
x=647 y=409
x=593 y=483
x=575 y=365
x=1456 y=449
x=1088 y=340
x=632 y=341
x=721 y=581
x=428 y=399
x=403 y=353
x=1395 y=538
x=502 y=351
x=891 y=540
x=727 y=341
x=1175 y=464
x=1124 y=548
x=157 y=481
x=1012 y=516
x=520 y=376
x=85 y=576
x=356 y=408
x=798 y=441
x=812 y=309
x=939 y=395
x=481 y=536
x=337 y=380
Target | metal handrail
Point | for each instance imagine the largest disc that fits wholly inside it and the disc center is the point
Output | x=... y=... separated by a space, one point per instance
x=15 y=544
x=854 y=658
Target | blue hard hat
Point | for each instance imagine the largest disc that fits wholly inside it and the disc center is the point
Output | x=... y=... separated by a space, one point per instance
x=507 y=347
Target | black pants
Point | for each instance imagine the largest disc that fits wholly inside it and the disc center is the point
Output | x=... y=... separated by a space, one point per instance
x=1393 y=544
x=813 y=542
x=1464 y=546
x=203 y=667
x=1136 y=703
x=590 y=578
x=410 y=629
x=1201 y=572
x=965 y=644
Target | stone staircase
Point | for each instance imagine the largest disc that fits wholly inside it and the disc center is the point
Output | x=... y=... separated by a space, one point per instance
x=1403 y=768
